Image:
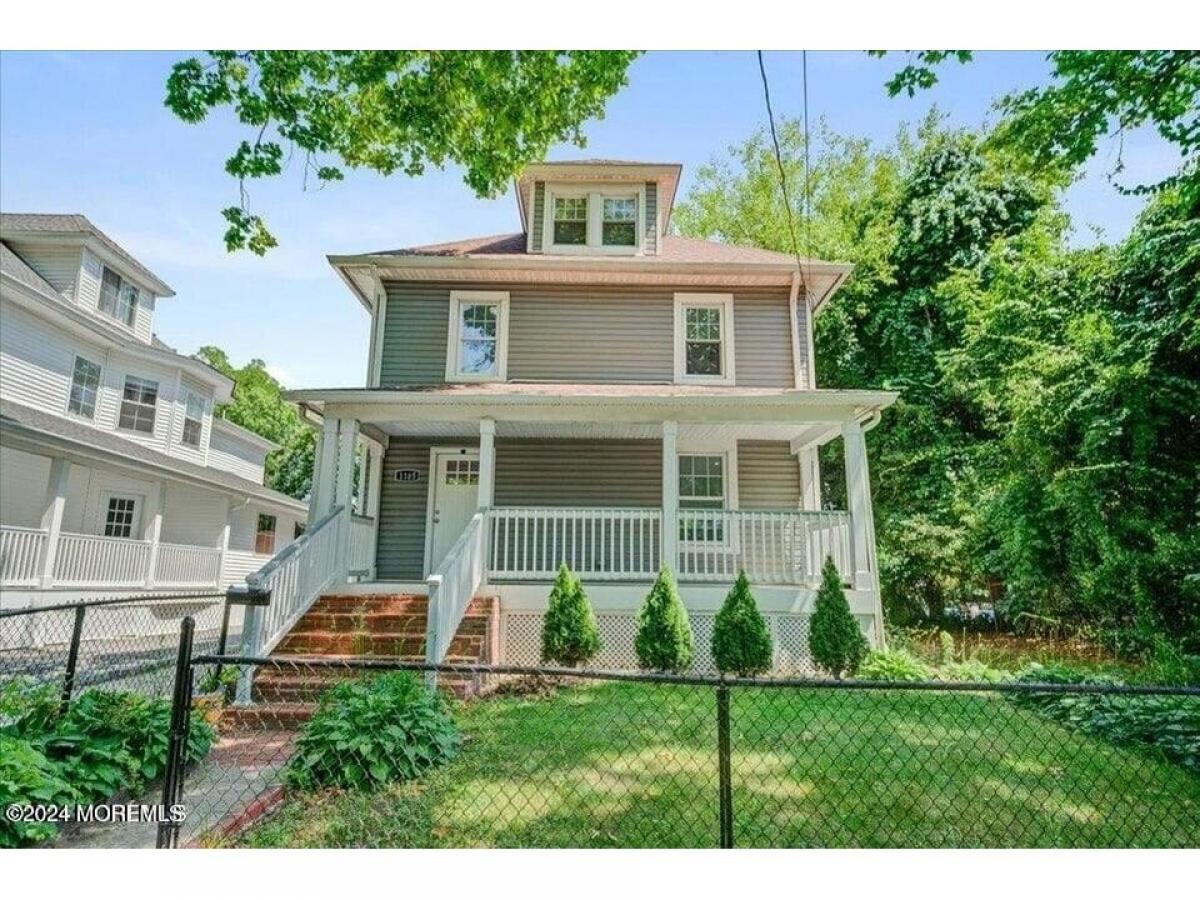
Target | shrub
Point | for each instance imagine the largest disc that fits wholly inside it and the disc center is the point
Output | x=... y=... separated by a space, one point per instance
x=27 y=707
x=27 y=776
x=664 y=638
x=373 y=731
x=835 y=641
x=974 y=670
x=741 y=643
x=945 y=648
x=570 y=635
x=893 y=665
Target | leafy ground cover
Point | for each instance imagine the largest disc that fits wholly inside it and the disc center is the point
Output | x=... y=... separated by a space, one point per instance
x=623 y=764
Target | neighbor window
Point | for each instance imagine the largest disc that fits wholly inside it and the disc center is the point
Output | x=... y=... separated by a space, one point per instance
x=478 y=329
x=704 y=338
x=193 y=419
x=619 y=225
x=85 y=382
x=570 y=220
x=119 y=518
x=264 y=538
x=118 y=298
x=702 y=487
x=138 y=404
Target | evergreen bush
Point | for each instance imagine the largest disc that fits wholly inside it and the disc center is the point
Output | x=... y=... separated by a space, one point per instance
x=741 y=642
x=570 y=635
x=834 y=639
x=664 y=637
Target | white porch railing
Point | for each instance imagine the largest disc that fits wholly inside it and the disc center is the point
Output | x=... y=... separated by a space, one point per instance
x=362 y=545
x=531 y=542
x=453 y=585
x=85 y=560
x=295 y=577
x=21 y=552
x=787 y=547
x=185 y=565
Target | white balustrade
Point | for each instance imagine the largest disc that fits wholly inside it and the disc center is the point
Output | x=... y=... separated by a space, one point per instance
x=185 y=565
x=90 y=560
x=21 y=552
x=531 y=542
x=362 y=545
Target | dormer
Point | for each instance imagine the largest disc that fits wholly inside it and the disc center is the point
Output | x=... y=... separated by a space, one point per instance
x=87 y=268
x=596 y=207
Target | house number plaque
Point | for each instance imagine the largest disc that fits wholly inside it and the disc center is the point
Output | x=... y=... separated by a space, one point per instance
x=408 y=474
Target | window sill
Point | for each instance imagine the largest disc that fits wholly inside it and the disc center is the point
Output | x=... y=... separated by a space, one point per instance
x=711 y=380
x=474 y=379
x=590 y=250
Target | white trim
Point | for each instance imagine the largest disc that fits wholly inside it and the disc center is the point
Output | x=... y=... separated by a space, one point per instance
x=136 y=530
x=434 y=453
x=594 y=194
x=378 y=324
x=722 y=302
x=809 y=319
x=457 y=299
x=794 y=329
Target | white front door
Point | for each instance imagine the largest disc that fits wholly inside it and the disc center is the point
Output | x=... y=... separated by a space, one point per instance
x=455 y=499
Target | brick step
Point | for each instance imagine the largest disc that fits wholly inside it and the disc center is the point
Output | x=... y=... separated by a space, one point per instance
x=368 y=603
x=374 y=622
x=266 y=717
x=357 y=644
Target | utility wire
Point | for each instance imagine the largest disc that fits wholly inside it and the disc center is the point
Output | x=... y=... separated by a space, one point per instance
x=783 y=183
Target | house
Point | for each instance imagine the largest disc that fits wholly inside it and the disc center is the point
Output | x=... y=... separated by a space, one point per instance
x=593 y=390
x=115 y=476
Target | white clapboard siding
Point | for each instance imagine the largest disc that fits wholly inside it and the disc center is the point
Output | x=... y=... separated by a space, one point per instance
x=226 y=452
x=36 y=361
x=58 y=265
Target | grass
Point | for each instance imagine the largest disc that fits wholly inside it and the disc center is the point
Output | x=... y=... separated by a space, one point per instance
x=635 y=765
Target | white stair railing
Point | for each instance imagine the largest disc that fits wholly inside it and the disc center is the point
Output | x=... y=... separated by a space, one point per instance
x=452 y=587
x=295 y=576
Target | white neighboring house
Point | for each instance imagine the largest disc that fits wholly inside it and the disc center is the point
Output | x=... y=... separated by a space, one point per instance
x=115 y=477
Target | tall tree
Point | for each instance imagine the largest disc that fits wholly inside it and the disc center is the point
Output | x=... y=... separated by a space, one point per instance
x=258 y=405
x=490 y=111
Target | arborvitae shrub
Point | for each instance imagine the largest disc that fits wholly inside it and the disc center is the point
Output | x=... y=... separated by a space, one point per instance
x=834 y=639
x=664 y=637
x=570 y=636
x=741 y=641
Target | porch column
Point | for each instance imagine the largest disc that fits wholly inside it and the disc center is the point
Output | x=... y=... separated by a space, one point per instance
x=154 y=533
x=858 y=500
x=224 y=545
x=347 y=439
x=487 y=462
x=669 y=541
x=365 y=474
x=375 y=482
x=810 y=480
x=56 y=503
x=324 y=470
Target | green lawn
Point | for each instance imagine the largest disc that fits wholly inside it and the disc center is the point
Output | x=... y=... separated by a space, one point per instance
x=634 y=765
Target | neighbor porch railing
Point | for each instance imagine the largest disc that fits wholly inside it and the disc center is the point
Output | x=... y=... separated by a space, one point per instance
x=786 y=548
x=532 y=541
x=185 y=565
x=21 y=553
x=453 y=586
x=85 y=560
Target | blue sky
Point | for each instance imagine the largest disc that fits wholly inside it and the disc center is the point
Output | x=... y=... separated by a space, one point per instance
x=87 y=132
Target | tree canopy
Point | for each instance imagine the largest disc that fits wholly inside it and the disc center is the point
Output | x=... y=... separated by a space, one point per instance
x=258 y=405
x=490 y=111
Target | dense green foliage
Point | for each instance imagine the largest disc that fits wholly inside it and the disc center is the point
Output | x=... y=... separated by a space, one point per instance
x=893 y=665
x=570 y=634
x=491 y=112
x=258 y=405
x=741 y=641
x=835 y=641
x=371 y=732
x=1045 y=449
x=105 y=743
x=664 y=637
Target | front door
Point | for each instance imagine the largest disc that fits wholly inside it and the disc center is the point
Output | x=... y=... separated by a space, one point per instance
x=455 y=499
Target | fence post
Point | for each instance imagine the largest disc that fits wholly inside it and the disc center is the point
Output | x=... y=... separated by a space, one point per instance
x=68 y=687
x=724 y=782
x=181 y=702
x=251 y=635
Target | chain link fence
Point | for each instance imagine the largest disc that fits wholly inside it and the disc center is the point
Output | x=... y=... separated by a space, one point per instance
x=357 y=753
x=119 y=644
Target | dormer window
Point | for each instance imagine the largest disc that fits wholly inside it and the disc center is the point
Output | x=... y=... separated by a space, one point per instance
x=118 y=298
x=570 y=220
x=581 y=219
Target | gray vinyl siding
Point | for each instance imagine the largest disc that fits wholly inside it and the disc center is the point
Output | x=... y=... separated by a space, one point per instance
x=591 y=334
x=650 y=242
x=539 y=209
x=578 y=473
x=401 y=551
x=414 y=334
x=762 y=340
x=581 y=333
x=768 y=475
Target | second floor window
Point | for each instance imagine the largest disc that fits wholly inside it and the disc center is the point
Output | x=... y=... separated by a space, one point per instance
x=264 y=537
x=478 y=333
x=570 y=220
x=85 y=383
x=619 y=225
x=704 y=338
x=193 y=419
x=118 y=298
x=138 y=404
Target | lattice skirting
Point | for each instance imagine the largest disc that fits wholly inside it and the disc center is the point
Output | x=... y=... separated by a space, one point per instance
x=521 y=641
